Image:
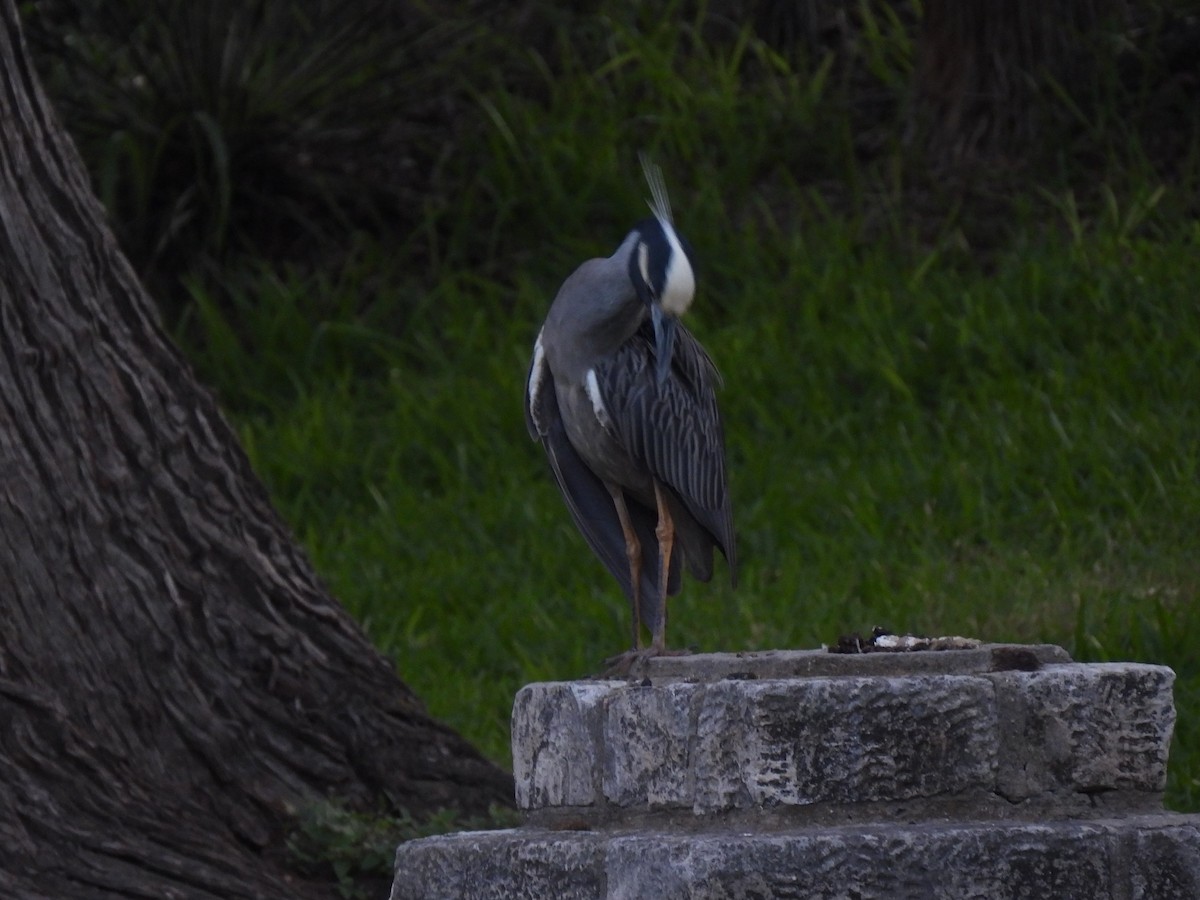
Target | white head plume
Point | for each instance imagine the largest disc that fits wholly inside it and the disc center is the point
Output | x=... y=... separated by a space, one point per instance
x=679 y=286
x=660 y=203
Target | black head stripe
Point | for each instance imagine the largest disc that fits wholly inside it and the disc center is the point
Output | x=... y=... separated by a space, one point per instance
x=658 y=254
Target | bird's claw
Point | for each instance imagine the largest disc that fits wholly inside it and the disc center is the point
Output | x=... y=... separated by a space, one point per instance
x=634 y=663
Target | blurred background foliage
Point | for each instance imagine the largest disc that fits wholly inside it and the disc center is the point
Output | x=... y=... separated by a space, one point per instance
x=948 y=263
x=284 y=131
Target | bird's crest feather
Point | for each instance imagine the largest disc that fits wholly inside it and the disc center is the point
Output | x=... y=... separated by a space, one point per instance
x=660 y=203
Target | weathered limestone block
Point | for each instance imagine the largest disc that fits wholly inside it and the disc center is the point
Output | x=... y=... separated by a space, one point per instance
x=740 y=743
x=868 y=862
x=501 y=865
x=1136 y=858
x=985 y=774
x=811 y=740
x=1086 y=728
x=770 y=664
x=651 y=765
x=557 y=728
x=1165 y=861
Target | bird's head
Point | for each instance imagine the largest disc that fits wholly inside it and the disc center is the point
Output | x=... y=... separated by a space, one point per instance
x=661 y=269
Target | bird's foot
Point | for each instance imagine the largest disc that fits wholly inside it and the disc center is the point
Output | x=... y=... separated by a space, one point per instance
x=633 y=663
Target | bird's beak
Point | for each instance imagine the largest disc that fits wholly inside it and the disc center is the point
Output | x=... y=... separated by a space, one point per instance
x=664 y=340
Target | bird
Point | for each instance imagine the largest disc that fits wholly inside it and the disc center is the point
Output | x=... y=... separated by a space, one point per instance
x=622 y=398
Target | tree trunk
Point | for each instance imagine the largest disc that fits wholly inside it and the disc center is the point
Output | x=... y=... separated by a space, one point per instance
x=984 y=69
x=175 y=682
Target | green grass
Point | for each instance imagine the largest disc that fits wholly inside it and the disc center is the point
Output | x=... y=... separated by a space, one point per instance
x=922 y=435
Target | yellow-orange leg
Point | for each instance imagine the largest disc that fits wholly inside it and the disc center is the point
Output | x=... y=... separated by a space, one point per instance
x=665 y=532
x=633 y=550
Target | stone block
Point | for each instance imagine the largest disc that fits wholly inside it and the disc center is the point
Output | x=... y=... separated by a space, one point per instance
x=1047 y=740
x=556 y=728
x=996 y=773
x=842 y=740
x=1084 y=728
x=646 y=746
x=501 y=865
x=779 y=664
x=874 y=863
x=1136 y=858
x=1165 y=860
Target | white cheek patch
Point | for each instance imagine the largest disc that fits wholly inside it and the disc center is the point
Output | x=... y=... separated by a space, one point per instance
x=680 y=288
x=593 y=391
x=537 y=374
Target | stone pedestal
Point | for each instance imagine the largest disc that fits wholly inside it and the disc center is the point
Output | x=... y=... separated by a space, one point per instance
x=995 y=772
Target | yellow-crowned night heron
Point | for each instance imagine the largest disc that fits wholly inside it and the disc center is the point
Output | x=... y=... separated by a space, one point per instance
x=623 y=399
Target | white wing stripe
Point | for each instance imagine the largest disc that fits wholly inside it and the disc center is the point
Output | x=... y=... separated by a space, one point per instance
x=537 y=374
x=593 y=392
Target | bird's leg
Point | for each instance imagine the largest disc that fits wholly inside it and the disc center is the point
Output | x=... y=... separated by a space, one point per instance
x=633 y=550
x=632 y=662
x=665 y=532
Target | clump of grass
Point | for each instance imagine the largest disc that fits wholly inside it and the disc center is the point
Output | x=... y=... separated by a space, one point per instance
x=356 y=850
x=257 y=127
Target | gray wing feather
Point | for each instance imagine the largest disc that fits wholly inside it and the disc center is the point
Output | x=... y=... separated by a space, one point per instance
x=591 y=505
x=675 y=430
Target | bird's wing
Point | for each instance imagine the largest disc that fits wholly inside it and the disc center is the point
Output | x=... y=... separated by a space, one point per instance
x=675 y=429
x=586 y=497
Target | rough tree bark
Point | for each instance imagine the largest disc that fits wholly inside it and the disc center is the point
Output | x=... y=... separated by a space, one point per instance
x=175 y=681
